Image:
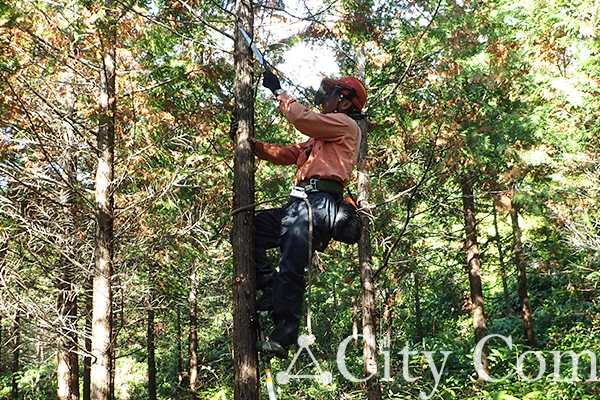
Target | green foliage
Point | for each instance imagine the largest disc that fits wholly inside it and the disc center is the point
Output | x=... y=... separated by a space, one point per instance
x=504 y=91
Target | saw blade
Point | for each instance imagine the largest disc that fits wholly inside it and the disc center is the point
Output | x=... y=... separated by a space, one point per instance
x=257 y=52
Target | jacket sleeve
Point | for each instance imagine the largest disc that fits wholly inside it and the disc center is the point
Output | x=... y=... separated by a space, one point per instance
x=278 y=154
x=316 y=125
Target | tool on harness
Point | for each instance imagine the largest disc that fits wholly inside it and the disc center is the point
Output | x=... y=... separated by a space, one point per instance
x=347 y=227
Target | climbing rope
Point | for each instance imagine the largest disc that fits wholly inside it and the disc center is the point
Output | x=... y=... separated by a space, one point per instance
x=310 y=270
x=251 y=206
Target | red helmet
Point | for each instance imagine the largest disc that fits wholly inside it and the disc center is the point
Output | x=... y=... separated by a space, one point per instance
x=351 y=88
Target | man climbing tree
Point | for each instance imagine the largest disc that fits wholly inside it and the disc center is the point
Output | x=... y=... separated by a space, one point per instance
x=306 y=222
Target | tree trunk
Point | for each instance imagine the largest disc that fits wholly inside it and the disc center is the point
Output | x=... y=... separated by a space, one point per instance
x=474 y=265
x=102 y=365
x=501 y=261
x=67 y=356
x=355 y=321
x=193 y=336
x=418 y=318
x=522 y=277
x=365 y=254
x=179 y=357
x=150 y=334
x=16 y=351
x=3 y=250
x=87 y=360
x=245 y=357
x=367 y=286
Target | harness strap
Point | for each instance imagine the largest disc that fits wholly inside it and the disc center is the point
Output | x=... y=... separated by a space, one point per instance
x=322 y=185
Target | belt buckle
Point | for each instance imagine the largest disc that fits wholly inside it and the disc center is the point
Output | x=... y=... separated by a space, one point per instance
x=312 y=185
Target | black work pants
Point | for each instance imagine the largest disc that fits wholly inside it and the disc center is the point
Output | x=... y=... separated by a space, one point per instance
x=288 y=229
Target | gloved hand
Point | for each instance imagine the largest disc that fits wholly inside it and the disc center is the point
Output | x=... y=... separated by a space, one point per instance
x=270 y=81
x=233 y=127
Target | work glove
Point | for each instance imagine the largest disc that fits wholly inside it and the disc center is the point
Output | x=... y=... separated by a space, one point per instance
x=233 y=127
x=270 y=81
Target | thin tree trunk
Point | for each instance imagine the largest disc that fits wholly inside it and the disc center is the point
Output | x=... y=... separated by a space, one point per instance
x=87 y=360
x=3 y=250
x=101 y=371
x=387 y=314
x=150 y=334
x=179 y=357
x=367 y=284
x=355 y=321
x=418 y=318
x=502 y=265
x=113 y=370
x=522 y=277
x=365 y=254
x=193 y=336
x=474 y=265
x=67 y=356
x=245 y=358
x=16 y=351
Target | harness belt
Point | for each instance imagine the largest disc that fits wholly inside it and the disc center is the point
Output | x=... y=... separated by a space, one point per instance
x=322 y=185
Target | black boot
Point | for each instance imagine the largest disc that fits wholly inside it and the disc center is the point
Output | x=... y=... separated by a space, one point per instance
x=265 y=301
x=272 y=348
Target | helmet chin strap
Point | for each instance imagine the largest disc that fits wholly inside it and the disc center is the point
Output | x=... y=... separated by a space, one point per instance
x=338 y=104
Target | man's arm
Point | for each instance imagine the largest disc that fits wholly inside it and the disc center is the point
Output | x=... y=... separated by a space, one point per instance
x=276 y=153
x=316 y=125
x=328 y=127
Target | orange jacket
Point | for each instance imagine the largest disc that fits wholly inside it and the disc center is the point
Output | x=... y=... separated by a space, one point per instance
x=331 y=151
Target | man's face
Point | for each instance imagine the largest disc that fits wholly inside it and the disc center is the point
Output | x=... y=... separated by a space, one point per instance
x=331 y=105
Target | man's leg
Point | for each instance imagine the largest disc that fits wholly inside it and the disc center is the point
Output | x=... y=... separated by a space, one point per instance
x=268 y=228
x=289 y=285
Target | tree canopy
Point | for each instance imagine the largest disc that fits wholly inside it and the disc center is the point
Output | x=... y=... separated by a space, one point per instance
x=499 y=97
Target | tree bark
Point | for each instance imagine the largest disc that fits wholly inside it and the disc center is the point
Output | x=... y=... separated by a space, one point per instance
x=16 y=352
x=522 y=277
x=179 y=357
x=502 y=265
x=67 y=356
x=367 y=284
x=101 y=370
x=418 y=318
x=473 y=263
x=193 y=335
x=355 y=322
x=3 y=250
x=87 y=360
x=365 y=255
x=150 y=334
x=245 y=357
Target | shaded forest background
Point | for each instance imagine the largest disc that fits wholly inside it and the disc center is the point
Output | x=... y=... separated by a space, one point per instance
x=483 y=157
